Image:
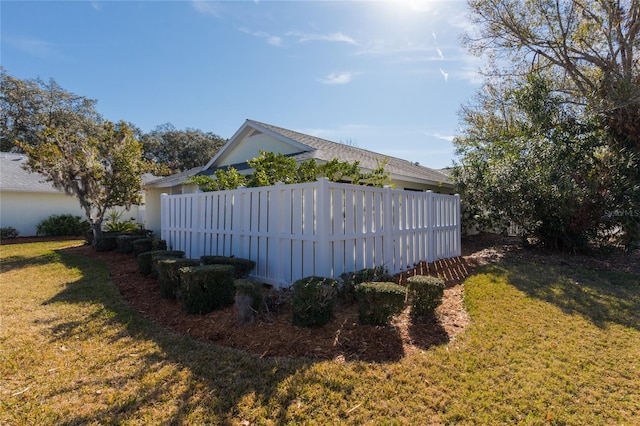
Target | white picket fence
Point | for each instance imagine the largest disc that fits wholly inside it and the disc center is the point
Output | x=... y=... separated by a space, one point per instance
x=320 y=228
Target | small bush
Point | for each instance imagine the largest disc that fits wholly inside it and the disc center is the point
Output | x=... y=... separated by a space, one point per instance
x=158 y=244
x=249 y=299
x=206 y=288
x=241 y=266
x=425 y=294
x=169 y=275
x=63 y=225
x=313 y=301
x=8 y=232
x=379 y=301
x=142 y=245
x=125 y=243
x=347 y=288
x=145 y=260
x=106 y=243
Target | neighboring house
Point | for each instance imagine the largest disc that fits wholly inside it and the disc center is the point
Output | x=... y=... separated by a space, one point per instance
x=26 y=198
x=254 y=137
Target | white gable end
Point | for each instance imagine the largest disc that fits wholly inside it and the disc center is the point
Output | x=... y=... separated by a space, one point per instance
x=251 y=146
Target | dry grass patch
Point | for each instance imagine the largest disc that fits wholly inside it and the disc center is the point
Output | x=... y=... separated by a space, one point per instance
x=546 y=345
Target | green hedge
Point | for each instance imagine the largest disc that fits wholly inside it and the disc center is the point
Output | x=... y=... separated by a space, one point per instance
x=347 y=288
x=169 y=275
x=379 y=301
x=125 y=243
x=425 y=294
x=107 y=243
x=206 y=288
x=252 y=289
x=313 y=301
x=145 y=260
x=242 y=267
x=142 y=245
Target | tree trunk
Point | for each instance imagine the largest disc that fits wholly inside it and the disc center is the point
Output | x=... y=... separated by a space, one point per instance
x=97 y=232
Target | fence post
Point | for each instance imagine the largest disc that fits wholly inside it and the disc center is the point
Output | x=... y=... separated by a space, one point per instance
x=389 y=258
x=323 y=251
x=430 y=228
x=164 y=216
x=458 y=219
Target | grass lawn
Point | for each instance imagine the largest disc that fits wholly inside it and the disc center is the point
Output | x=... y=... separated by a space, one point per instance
x=547 y=345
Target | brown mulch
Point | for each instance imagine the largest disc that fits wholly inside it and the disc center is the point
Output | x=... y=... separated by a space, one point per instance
x=343 y=339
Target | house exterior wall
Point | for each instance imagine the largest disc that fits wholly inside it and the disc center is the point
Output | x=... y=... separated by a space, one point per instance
x=25 y=210
x=251 y=147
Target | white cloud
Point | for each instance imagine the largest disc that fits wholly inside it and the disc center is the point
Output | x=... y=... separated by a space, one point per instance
x=35 y=47
x=271 y=39
x=338 y=78
x=331 y=37
x=448 y=138
x=206 y=7
x=445 y=75
x=440 y=53
x=96 y=6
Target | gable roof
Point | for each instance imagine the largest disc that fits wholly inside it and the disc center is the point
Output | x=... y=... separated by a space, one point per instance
x=13 y=177
x=326 y=150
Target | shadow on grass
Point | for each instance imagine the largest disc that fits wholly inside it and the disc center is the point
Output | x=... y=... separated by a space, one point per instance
x=220 y=379
x=17 y=262
x=601 y=296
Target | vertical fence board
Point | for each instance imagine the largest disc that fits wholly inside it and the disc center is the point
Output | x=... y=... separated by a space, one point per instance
x=292 y=231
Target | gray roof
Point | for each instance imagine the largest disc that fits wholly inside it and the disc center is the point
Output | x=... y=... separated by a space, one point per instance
x=13 y=177
x=325 y=150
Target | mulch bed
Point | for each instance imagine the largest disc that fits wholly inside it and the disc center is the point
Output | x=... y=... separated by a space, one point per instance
x=343 y=339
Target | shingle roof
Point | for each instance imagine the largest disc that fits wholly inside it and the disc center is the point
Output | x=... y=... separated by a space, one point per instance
x=15 y=178
x=327 y=150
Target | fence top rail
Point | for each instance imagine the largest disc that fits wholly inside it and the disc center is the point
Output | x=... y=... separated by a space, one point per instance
x=312 y=185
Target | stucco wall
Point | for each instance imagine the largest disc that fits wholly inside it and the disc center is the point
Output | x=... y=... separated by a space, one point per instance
x=25 y=210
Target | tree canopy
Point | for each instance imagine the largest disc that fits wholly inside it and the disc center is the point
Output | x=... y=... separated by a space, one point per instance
x=552 y=141
x=101 y=165
x=29 y=106
x=180 y=150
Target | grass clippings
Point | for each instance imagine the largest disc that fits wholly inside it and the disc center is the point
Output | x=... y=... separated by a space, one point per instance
x=548 y=344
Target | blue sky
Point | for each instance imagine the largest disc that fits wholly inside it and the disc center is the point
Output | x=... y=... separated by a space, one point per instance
x=385 y=76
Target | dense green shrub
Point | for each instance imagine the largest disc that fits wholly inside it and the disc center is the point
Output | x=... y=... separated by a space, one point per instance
x=313 y=301
x=347 y=288
x=145 y=260
x=158 y=244
x=142 y=245
x=125 y=243
x=425 y=294
x=8 y=232
x=241 y=266
x=58 y=225
x=206 y=288
x=169 y=276
x=107 y=243
x=379 y=301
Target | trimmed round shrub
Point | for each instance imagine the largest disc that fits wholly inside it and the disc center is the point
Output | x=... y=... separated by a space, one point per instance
x=347 y=288
x=106 y=243
x=142 y=245
x=241 y=266
x=158 y=244
x=313 y=301
x=425 y=294
x=206 y=288
x=124 y=243
x=379 y=301
x=145 y=260
x=169 y=275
